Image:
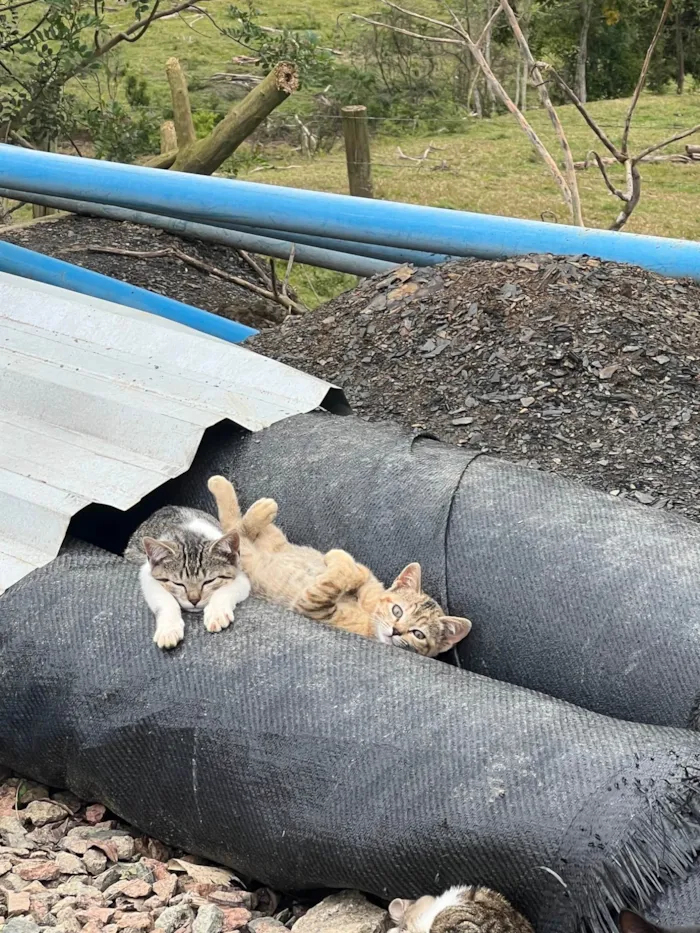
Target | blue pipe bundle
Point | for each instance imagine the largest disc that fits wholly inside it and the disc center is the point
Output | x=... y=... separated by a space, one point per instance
x=220 y=201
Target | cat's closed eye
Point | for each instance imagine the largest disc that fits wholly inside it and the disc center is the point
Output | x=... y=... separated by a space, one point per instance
x=213 y=580
x=172 y=582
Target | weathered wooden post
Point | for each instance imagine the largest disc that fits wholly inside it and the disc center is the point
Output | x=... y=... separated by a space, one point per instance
x=357 y=151
x=182 y=112
x=168 y=137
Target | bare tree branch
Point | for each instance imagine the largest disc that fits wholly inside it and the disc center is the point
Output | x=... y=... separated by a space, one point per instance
x=611 y=188
x=667 y=142
x=571 y=94
x=406 y=32
x=643 y=75
x=577 y=214
x=137 y=27
x=631 y=196
x=498 y=90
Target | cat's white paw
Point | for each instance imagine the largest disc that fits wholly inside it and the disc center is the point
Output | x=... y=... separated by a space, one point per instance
x=170 y=630
x=218 y=615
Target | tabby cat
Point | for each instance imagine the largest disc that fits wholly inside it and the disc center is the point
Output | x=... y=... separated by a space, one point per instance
x=459 y=910
x=631 y=922
x=187 y=563
x=334 y=588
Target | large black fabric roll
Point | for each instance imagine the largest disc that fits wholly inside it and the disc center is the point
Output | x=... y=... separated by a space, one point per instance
x=306 y=757
x=570 y=591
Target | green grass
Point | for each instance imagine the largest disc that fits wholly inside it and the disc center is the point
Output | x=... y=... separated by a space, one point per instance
x=201 y=48
x=492 y=168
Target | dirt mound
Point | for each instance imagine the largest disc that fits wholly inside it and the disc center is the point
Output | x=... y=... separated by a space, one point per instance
x=71 y=239
x=584 y=368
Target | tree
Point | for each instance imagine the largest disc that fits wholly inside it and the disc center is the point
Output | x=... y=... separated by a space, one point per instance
x=44 y=44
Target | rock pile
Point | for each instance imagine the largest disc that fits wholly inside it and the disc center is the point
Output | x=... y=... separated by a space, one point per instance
x=586 y=368
x=67 y=867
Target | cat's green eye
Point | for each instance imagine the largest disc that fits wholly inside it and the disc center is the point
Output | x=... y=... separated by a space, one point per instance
x=397 y=611
x=416 y=632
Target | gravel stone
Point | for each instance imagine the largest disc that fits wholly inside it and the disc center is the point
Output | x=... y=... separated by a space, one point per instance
x=70 y=864
x=175 y=917
x=209 y=919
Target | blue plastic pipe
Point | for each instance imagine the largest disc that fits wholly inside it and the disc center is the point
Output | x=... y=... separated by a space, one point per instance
x=250 y=239
x=406 y=226
x=390 y=254
x=19 y=261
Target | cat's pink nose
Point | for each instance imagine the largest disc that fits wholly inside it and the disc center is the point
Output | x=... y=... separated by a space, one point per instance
x=194 y=600
x=395 y=631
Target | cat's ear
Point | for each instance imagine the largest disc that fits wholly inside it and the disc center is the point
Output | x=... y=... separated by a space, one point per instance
x=408 y=579
x=228 y=547
x=454 y=630
x=158 y=551
x=629 y=922
x=397 y=909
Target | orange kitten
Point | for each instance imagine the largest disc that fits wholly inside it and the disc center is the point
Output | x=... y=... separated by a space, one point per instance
x=334 y=588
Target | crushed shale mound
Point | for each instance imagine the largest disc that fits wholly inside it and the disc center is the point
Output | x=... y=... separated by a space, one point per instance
x=585 y=368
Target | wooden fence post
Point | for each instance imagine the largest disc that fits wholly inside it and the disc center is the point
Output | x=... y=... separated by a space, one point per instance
x=357 y=151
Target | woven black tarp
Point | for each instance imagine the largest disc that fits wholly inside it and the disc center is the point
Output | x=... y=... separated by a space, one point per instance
x=305 y=757
x=570 y=591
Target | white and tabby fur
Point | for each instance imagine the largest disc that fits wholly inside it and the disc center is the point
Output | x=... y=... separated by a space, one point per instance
x=187 y=562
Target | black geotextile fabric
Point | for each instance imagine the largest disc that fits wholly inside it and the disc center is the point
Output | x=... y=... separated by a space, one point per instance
x=570 y=591
x=305 y=757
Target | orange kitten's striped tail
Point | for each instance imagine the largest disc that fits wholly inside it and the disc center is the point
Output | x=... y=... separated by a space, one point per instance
x=226 y=503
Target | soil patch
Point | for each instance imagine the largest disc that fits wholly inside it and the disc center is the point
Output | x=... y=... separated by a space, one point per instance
x=69 y=238
x=584 y=368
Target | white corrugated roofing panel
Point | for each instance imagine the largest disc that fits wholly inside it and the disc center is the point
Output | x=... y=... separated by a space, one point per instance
x=103 y=403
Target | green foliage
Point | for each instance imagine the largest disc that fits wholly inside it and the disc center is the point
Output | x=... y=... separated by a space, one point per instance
x=619 y=35
x=44 y=44
x=302 y=47
x=205 y=121
x=121 y=133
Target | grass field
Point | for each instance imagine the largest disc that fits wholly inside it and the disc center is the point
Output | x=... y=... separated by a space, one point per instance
x=491 y=168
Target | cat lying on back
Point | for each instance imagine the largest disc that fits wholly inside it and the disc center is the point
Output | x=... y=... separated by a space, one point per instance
x=459 y=910
x=187 y=563
x=630 y=922
x=333 y=588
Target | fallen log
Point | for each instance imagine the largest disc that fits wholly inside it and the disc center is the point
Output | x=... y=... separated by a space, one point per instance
x=206 y=155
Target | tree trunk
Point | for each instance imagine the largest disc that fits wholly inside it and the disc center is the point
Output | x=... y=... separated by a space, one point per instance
x=680 y=53
x=182 y=112
x=582 y=57
x=206 y=155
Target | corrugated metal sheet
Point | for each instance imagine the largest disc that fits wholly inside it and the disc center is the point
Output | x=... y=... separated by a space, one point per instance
x=103 y=403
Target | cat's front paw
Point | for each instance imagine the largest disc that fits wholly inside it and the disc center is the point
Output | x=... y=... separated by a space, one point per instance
x=217 y=616
x=169 y=631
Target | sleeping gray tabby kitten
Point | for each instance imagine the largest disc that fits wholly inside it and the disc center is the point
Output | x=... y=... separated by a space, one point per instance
x=459 y=910
x=187 y=563
x=630 y=922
